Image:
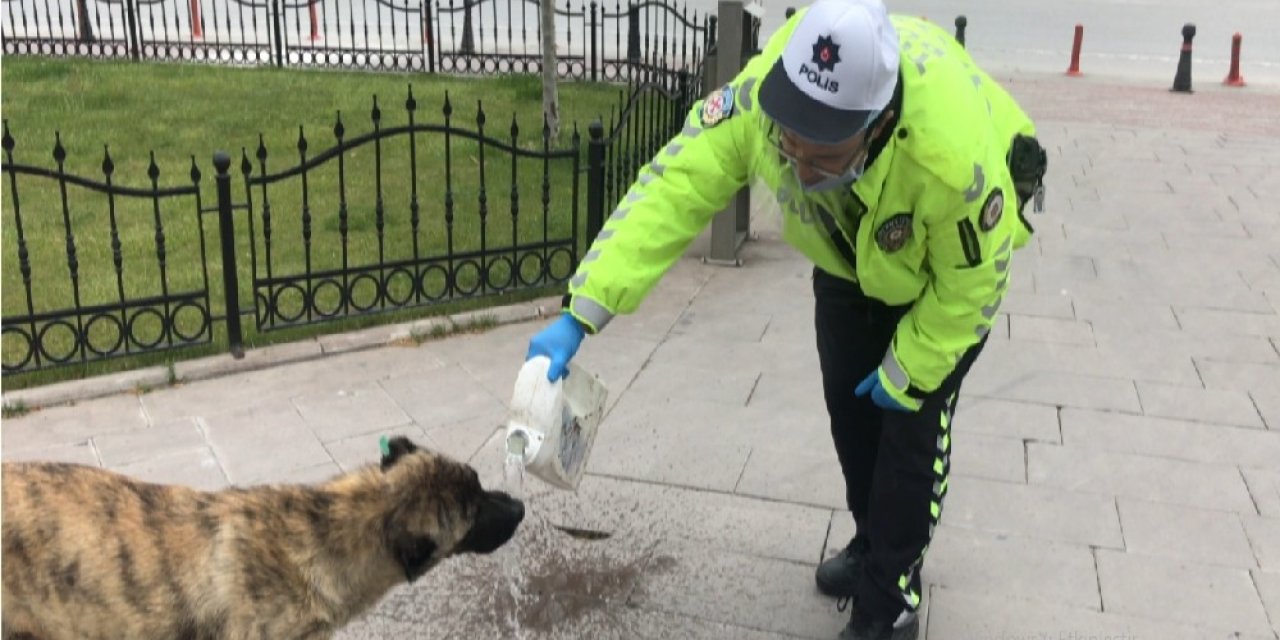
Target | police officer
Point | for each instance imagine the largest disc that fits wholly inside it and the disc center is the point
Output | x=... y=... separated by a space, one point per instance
x=888 y=150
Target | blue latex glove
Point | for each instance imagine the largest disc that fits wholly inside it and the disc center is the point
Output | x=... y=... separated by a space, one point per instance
x=871 y=384
x=559 y=341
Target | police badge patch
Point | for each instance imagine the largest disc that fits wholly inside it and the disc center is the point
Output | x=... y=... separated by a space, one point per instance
x=717 y=106
x=991 y=210
x=894 y=233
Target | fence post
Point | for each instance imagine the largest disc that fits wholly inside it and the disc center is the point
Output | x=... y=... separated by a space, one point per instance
x=595 y=181
x=730 y=227
x=468 y=40
x=428 y=33
x=595 y=25
x=83 y=24
x=131 y=14
x=633 y=33
x=278 y=30
x=227 y=236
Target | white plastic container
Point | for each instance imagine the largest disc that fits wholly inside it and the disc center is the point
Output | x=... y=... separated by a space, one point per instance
x=553 y=424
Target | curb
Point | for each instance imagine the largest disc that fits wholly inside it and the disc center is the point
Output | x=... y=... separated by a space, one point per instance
x=402 y=334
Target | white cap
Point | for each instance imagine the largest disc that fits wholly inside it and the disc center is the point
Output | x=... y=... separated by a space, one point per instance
x=838 y=71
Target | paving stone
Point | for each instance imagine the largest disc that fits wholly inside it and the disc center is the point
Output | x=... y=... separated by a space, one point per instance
x=1216 y=321
x=463 y=440
x=790 y=474
x=196 y=468
x=615 y=360
x=360 y=408
x=132 y=446
x=1170 y=438
x=1228 y=348
x=70 y=424
x=647 y=440
x=308 y=475
x=619 y=622
x=268 y=359
x=1264 y=537
x=1072 y=390
x=1043 y=305
x=703 y=352
x=1210 y=486
x=443 y=396
x=1059 y=330
x=491 y=359
x=1012 y=567
x=1199 y=595
x=1018 y=420
x=263 y=441
x=1198 y=404
x=1063 y=273
x=1186 y=534
x=1261 y=379
x=754 y=592
x=1006 y=364
x=1264 y=488
x=1268 y=406
x=956 y=613
x=356 y=340
x=78 y=453
x=764 y=528
x=384 y=363
x=1124 y=316
x=739 y=327
x=356 y=451
x=226 y=394
x=1033 y=512
x=706 y=384
x=561 y=581
x=990 y=457
x=1268 y=585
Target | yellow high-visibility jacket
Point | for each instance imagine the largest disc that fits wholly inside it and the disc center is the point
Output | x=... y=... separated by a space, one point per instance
x=933 y=221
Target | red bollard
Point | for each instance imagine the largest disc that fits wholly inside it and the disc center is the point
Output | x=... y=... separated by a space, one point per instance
x=315 y=25
x=1234 y=79
x=1074 y=69
x=197 y=31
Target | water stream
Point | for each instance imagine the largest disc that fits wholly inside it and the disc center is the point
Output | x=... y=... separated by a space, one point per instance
x=513 y=474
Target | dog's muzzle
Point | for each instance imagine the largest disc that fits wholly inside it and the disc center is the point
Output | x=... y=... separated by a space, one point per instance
x=495 y=523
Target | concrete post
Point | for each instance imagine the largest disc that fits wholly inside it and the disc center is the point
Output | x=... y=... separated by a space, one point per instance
x=730 y=227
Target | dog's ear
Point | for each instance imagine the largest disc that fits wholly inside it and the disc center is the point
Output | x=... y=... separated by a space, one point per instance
x=394 y=449
x=414 y=554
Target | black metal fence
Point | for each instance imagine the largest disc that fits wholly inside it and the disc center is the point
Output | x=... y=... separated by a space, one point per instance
x=408 y=215
x=424 y=208
x=117 y=294
x=594 y=41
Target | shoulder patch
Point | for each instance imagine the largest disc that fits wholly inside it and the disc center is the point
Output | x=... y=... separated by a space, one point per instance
x=992 y=209
x=894 y=233
x=717 y=107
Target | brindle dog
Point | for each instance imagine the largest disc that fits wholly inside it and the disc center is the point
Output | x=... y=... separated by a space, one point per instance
x=93 y=554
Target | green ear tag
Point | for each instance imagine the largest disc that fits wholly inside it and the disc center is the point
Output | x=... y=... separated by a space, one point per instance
x=384 y=445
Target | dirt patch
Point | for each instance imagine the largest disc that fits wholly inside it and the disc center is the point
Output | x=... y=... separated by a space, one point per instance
x=564 y=576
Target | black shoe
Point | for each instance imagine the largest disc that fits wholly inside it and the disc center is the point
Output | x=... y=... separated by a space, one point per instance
x=906 y=627
x=838 y=575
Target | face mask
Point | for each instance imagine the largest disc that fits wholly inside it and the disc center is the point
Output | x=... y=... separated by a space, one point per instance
x=830 y=183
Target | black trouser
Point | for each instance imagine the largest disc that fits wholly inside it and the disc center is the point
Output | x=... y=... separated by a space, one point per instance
x=895 y=463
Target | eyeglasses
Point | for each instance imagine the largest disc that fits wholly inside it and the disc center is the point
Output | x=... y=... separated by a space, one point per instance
x=826 y=168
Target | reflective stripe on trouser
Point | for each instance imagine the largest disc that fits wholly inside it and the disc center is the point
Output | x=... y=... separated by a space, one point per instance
x=908 y=488
x=909 y=581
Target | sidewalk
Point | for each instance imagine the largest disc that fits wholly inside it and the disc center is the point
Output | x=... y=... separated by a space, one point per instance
x=1116 y=457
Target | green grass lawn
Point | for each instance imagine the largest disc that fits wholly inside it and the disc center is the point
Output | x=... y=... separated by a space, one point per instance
x=184 y=113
